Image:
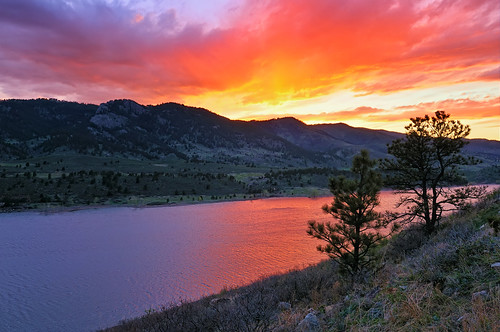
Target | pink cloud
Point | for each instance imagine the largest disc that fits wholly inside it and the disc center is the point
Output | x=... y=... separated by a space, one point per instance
x=466 y=108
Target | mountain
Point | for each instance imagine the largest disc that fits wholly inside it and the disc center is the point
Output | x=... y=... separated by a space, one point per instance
x=170 y=130
x=123 y=127
x=338 y=140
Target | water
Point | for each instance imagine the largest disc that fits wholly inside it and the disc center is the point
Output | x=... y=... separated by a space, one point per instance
x=89 y=269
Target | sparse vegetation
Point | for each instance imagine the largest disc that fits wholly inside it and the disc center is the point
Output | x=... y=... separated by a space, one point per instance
x=72 y=180
x=85 y=187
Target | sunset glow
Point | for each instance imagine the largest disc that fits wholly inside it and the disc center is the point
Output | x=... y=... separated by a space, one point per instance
x=366 y=63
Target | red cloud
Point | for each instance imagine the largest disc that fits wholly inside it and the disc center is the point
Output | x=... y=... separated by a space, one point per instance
x=270 y=51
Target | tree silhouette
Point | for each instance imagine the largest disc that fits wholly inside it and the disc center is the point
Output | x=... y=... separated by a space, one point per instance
x=425 y=163
x=354 y=233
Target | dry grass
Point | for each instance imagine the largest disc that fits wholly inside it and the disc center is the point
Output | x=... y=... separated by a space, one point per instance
x=484 y=314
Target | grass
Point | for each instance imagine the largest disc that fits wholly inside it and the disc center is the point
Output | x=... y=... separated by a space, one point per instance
x=444 y=282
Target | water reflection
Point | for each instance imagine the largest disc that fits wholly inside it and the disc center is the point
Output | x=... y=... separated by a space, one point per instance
x=89 y=269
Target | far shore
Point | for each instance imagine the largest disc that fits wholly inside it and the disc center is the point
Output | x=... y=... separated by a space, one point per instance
x=166 y=201
x=162 y=201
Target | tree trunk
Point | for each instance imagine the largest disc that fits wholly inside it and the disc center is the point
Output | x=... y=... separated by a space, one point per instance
x=425 y=203
x=356 y=249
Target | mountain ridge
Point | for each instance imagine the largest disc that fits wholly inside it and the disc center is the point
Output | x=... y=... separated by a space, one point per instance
x=127 y=128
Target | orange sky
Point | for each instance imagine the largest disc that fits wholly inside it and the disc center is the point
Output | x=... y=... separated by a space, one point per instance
x=366 y=63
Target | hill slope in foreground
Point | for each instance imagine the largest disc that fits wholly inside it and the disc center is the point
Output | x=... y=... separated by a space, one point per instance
x=447 y=282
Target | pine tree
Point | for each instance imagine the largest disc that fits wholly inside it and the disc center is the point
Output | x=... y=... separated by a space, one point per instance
x=355 y=231
x=425 y=163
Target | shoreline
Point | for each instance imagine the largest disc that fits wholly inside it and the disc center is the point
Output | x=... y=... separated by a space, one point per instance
x=155 y=201
x=163 y=201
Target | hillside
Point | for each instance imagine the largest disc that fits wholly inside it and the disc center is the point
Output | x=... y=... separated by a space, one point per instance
x=123 y=128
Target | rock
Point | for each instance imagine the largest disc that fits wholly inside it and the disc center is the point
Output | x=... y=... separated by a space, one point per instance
x=309 y=324
x=131 y=106
x=103 y=108
x=284 y=306
x=109 y=120
x=496 y=265
x=480 y=295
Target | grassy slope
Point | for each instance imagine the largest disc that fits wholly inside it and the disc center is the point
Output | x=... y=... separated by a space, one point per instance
x=421 y=284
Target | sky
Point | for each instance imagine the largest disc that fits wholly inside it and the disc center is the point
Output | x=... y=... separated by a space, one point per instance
x=367 y=63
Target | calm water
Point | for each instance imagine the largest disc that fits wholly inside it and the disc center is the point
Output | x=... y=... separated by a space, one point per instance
x=90 y=269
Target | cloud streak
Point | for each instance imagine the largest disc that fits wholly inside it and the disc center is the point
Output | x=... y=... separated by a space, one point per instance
x=465 y=108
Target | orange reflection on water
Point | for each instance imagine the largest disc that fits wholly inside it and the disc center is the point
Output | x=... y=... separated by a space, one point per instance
x=243 y=241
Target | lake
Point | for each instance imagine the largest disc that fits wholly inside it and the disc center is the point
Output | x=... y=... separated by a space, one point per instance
x=89 y=269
